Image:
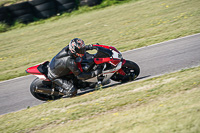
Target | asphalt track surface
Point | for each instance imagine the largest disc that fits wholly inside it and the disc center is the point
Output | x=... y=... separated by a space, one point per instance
x=153 y=60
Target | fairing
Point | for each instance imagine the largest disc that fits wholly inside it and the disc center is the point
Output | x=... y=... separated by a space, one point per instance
x=115 y=60
x=34 y=71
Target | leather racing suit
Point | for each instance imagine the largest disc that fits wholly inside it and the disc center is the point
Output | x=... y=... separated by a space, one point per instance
x=61 y=65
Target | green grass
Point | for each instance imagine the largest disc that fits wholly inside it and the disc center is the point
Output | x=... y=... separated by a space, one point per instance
x=78 y=10
x=169 y=103
x=9 y=2
x=105 y=2
x=126 y=26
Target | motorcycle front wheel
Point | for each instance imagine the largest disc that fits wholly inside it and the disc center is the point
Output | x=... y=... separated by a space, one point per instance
x=131 y=69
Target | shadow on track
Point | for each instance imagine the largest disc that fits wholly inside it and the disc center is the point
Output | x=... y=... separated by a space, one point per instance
x=107 y=86
x=142 y=77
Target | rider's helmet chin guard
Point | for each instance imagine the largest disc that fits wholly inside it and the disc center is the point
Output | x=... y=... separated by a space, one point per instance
x=77 y=47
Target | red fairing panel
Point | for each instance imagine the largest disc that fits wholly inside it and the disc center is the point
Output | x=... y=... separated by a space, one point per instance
x=33 y=70
x=101 y=60
x=108 y=47
x=124 y=61
x=120 y=71
x=107 y=60
x=115 y=62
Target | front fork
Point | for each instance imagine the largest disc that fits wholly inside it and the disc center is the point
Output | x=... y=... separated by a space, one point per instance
x=120 y=71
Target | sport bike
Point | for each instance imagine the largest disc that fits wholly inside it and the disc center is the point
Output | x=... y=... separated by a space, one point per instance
x=107 y=58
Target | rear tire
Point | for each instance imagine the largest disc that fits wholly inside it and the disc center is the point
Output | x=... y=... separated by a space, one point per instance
x=132 y=71
x=46 y=13
x=89 y=2
x=64 y=1
x=26 y=18
x=45 y=6
x=19 y=6
x=40 y=83
x=66 y=7
x=38 y=2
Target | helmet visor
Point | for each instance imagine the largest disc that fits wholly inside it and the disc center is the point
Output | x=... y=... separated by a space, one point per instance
x=81 y=50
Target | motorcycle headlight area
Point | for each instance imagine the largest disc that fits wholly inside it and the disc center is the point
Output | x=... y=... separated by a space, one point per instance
x=116 y=54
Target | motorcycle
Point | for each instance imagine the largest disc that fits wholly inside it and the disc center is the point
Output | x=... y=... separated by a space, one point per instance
x=108 y=58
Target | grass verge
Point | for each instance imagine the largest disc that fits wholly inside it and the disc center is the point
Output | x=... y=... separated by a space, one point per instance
x=9 y=2
x=169 y=103
x=14 y=25
x=105 y=2
x=126 y=26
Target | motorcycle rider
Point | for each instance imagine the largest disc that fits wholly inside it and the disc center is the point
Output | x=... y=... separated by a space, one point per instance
x=67 y=60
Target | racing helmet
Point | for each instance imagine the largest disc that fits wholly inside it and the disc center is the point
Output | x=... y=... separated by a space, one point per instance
x=77 y=47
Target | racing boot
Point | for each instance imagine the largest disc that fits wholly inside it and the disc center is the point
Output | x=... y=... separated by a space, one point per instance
x=66 y=87
x=98 y=85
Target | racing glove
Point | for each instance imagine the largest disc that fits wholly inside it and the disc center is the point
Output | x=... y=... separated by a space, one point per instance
x=90 y=46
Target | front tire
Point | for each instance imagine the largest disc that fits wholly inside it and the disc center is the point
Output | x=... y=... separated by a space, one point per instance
x=37 y=83
x=131 y=69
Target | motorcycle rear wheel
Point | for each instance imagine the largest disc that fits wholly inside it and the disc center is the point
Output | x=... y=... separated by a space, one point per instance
x=37 y=83
x=132 y=71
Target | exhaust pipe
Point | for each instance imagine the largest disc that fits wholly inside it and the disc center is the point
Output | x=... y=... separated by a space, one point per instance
x=48 y=91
